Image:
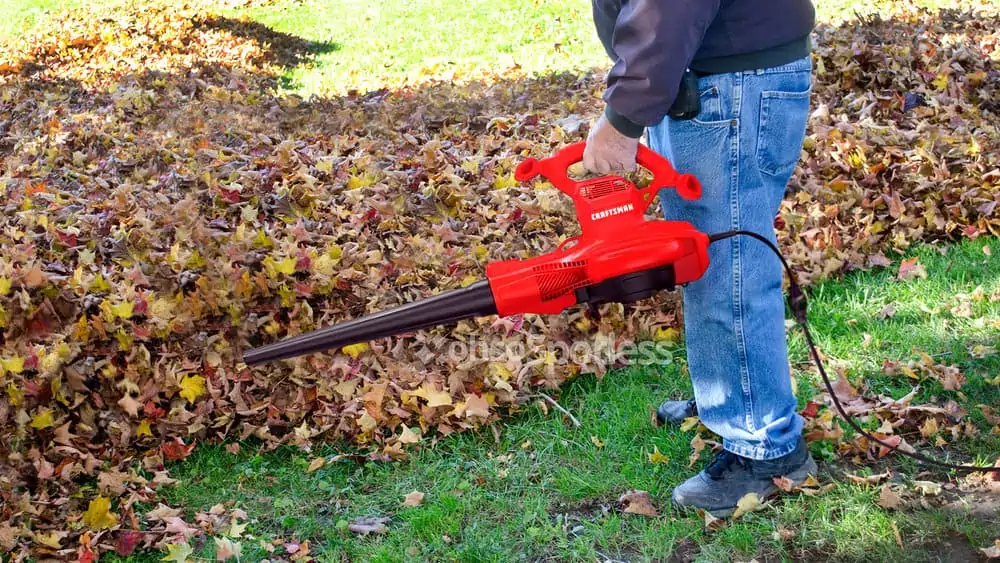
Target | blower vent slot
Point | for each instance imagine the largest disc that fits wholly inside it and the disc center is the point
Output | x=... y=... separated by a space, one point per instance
x=556 y=280
x=601 y=188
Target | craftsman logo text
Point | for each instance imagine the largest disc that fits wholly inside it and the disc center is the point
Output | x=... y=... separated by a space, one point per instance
x=612 y=212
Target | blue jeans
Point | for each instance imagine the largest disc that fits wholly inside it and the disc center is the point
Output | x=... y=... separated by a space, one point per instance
x=743 y=147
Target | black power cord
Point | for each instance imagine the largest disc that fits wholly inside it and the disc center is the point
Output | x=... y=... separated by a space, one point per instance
x=797 y=302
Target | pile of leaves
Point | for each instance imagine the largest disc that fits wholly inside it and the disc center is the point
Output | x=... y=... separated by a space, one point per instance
x=164 y=210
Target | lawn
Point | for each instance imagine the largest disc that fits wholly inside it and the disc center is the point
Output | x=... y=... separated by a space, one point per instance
x=547 y=490
x=537 y=487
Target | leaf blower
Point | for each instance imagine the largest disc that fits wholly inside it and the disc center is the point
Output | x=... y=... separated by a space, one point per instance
x=620 y=256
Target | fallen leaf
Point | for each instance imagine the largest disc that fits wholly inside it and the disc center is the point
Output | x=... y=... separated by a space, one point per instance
x=413 y=499
x=99 y=516
x=657 y=457
x=316 y=464
x=637 y=502
x=178 y=552
x=368 y=525
x=596 y=441
x=870 y=479
x=927 y=488
x=911 y=268
x=992 y=552
x=226 y=549
x=749 y=502
x=888 y=498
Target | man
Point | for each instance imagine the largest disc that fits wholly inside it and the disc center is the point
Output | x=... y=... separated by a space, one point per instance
x=751 y=60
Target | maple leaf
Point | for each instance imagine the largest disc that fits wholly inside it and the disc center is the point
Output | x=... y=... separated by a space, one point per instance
x=176 y=450
x=192 y=387
x=99 y=515
x=911 y=268
x=126 y=542
x=226 y=549
x=888 y=498
x=657 y=457
x=43 y=419
x=178 y=552
x=236 y=529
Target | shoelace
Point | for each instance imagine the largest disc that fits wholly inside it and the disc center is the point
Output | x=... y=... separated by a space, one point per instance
x=722 y=462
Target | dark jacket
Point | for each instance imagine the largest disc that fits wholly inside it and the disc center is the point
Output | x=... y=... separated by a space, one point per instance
x=652 y=43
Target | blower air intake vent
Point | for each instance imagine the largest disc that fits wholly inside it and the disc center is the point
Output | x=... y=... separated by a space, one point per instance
x=602 y=188
x=556 y=280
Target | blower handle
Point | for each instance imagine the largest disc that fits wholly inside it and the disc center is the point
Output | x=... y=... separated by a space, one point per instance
x=554 y=169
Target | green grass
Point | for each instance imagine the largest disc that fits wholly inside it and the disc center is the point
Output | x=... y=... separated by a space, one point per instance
x=554 y=497
x=373 y=44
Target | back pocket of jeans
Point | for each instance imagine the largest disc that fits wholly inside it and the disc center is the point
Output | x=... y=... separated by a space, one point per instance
x=782 y=128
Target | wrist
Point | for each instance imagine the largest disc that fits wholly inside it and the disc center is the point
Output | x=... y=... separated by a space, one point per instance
x=622 y=124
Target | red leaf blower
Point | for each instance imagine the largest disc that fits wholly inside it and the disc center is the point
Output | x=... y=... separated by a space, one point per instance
x=620 y=256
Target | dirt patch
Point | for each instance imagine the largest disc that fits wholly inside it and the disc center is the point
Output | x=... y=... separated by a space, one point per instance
x=954 y=549
x=684 y=552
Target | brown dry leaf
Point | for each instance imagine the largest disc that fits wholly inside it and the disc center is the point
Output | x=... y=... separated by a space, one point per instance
x=712 y=523
x=226 y=549
x=316 y=464
x=369 y=525
x=870 y=479
x=888 y=498
x=638 y=502
x=413 y=499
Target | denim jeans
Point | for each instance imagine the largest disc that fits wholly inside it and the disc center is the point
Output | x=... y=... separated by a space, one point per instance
x=743 y=147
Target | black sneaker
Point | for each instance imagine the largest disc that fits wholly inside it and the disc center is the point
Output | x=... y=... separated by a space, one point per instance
x=729 y=477
x=674 y=412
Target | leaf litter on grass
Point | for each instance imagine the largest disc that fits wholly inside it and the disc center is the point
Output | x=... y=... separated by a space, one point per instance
x=165 y=209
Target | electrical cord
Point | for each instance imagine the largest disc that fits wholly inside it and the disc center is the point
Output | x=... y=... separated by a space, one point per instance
x=797 y=303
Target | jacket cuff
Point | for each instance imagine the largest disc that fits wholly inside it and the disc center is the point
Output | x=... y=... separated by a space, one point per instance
x=623 y=124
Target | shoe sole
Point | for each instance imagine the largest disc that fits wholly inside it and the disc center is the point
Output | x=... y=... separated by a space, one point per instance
x=797 y=477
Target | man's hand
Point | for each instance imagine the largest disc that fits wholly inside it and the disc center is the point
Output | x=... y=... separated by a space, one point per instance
x=608 y=150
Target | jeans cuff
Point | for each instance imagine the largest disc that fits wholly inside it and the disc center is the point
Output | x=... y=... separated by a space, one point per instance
x=757 y=451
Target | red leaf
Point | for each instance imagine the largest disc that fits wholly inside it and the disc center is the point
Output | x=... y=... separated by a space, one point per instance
x=176 y=450
x=126 y=542
x=811 y=410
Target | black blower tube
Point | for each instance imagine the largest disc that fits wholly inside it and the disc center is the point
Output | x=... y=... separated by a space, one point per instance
x=448 y=307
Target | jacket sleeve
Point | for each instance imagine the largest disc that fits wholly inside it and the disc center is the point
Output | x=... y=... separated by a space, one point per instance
x=653 y=43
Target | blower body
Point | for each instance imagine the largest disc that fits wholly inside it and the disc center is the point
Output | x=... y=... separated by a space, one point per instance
x=619 y=256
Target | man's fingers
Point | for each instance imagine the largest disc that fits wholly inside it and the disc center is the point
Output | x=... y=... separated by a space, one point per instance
x=602 y=166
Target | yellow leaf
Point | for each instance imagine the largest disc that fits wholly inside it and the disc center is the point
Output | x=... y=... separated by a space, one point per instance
x=689 y=423
x=192 y=387
x=355 y=350
x=99 y=515
x=4 y=286
x=12 y=365
x=43 y=419
x=597 y=441
x=236 y=529
x=667 y=335
x=178 y=552
x=50 y=539
x=748 y=503
x=123 y=310
x=16 y=394
x=657 y=457
x=469 y=280
x=316 y=464
x=941 y=82
x=438 y=398
x=143 y=429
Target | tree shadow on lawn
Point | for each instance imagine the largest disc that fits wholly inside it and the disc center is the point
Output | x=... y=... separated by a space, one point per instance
x=151 y=164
